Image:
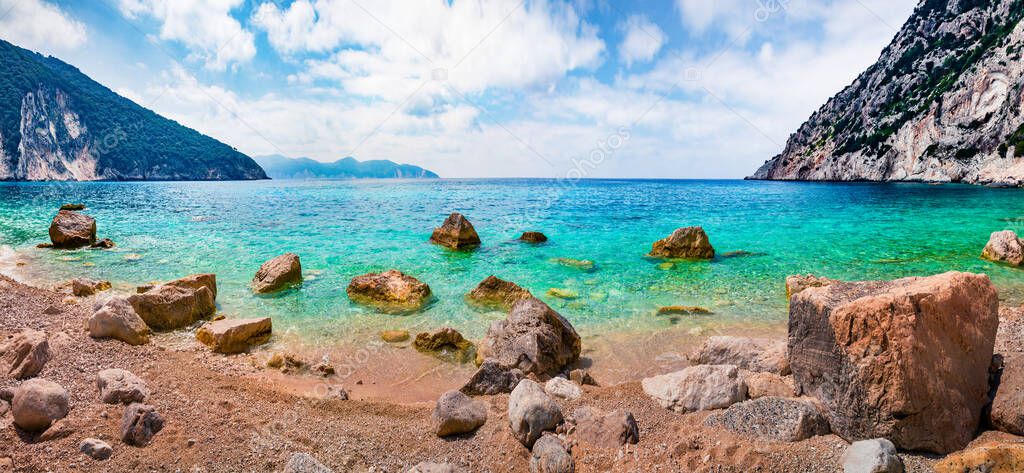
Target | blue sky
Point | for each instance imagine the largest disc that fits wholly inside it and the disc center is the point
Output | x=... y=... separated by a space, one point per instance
x=478 y=88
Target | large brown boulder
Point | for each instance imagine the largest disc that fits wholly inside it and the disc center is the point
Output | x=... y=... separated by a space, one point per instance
x=72 y=230
x=1004 y=247
x=37 y=403
x=689 y=243
x=495 y=293
x=1007 y=412
x=456 y=233
x=196 y=281
x=23 y=354
x=390 y=291
x=176 y=304
x=533 y=338
x=278 y=273
x=905 y=360
x=116 y=318
x=234 y=335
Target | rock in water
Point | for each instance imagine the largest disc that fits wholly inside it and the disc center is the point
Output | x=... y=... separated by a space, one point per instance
x=234 y=335
x=116 y=318
x=550 y=455
x=1004 y=247
x=139 y=424
x=494 y=293
x=531 y=412
x=304 y=463
x=872 y=456
x=37 y=403
x=95 y=449
x=533 y=338
x=391 y=291
x=799 y=282
x=72 y=230
x=1008 y=405
x=533 y=237
x=992 y=457
x=456 y=233
x=445 y=342
x=75 y=207
x=905 y=360
x=118 y=386
x=277 y=274
x=82 y=287
x=609 y=430
x=688 y=243
x=174 y=305
x=24 y=354
x=394 y=336
x=751 y=354
x=197 y=281
x=775 y=418
x=456 y=413
x=492 y=379
x=697 y=388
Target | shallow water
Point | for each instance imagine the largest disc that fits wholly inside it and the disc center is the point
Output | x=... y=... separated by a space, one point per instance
x=345 y=228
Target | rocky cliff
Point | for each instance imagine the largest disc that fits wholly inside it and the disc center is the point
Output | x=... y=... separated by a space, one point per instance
x=942 y=104
x=57 y=124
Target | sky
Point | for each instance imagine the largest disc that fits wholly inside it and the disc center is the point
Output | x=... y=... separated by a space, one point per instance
x=478 y=88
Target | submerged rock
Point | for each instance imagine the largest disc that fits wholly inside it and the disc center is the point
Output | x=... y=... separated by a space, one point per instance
x=495 y=293
x=116 y=318
x=533 y=237
x=551 y=455
x=906 y=360
x=533 y=338
x=531 y=412
x=37 y=403
x=456 y=233
x=104 y=244
x=567 y=294
x=751 y=354
x=118 y=386
x=582 y=264
x=683 y=310
x=687 y=243
x=445 y=342
x=139 y=424
x=277 y=274
x=1004 y=247
x=872 y=456
x=390 y=291
x=235 y=335
x=24 y=354
x=775 y=418
x=492 y=379
x=82 y=287
x=72 y=230
x=697 y=388
x=456 y=413
x=394 y=336
x=604 y=429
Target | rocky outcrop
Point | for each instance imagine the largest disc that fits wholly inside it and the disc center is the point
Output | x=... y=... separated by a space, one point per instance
x=24 y=354
x=445 y=342
x=774 y=418
x=455 y=233
x=905 y=360
x=991 y=457
x=604 y=429
x=495 y=293
x=533 y=338
x=687 y=243
x=1004 y=247
x=872 y=456
x=752 y=354
x=942 y=104
x=116 y=318
x=697 y=388
x=174 y=305
x=139 y=424
x=390 y=291
x=531 y=412
x=117 y=386
x=277 y=274
x=72 y=230
x=235 y=335
x=456 y=413
x=37 y=403
x=533 y=237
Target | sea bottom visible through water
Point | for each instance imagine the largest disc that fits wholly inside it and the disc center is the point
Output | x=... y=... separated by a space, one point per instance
x=762 y=232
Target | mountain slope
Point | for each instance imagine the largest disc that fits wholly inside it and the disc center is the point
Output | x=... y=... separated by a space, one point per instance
x=58 y=124
x=942 y=104
x=280 y=167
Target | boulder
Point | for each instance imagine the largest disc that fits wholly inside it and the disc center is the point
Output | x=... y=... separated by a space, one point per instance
x=456 y=413
x=531 y=412
x=71 y=229
x=906 y=360
x=799 y=282
x=116 y=318
x=391 y=291
x=492 y=379
x=533 y=237
x=697 y=388
x=82 y=287
x=1007 y=413
x=456 y=233
x=118 y=386
x=234 y=335
x=196 y=281
x=993 y=457
x=494 y=293
x=563 y=388
x=604 y=429
x=304 y=463
x=394 y=336
x=872 y=456
x=173 y=306
x=24 y=354
x=550 y=455
x=533 y=338
x=139 y=424
x=769 y=385
x=751 y=354
x=95 y=449
x=1004 y=247
x=37 y=403
x=446 y=343
x=277 y=274
x=774 y=418
x=688 y=243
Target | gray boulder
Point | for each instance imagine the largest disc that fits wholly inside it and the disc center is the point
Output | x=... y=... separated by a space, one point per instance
x=752 y=354
x=775 y=418
x=550 y=455
x=38 y=403
x=697 y=388
x=116 y=318
x=139 y=424
x=492 y=379
x=456 y=413
x=533 y=338
x=531 y=412
x=872 y=456
x=24 y=354
x=118 y=386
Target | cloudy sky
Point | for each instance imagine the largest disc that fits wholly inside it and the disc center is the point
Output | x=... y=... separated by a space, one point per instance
x=477 y=88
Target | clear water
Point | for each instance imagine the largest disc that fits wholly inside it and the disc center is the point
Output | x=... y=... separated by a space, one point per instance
x=345 y=228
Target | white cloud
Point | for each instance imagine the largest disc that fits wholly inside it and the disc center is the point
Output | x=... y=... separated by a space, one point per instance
x=642 y=39
x=40 y=26
x=206 y=27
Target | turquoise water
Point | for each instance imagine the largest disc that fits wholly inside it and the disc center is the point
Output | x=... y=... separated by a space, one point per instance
x=345 y=228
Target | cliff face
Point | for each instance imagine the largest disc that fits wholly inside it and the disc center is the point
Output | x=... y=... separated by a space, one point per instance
x=942 y=104
x=57 y=124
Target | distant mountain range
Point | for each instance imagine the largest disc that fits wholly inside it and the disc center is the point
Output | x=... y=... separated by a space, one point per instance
x=58 y=124
x=281 y=167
